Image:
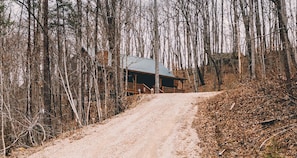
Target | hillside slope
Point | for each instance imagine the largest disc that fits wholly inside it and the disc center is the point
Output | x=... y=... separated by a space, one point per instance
x=259 y=119
x=160 y=126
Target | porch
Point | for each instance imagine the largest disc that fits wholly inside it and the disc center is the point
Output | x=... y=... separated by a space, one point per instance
x=143 y=83
x=141 y=88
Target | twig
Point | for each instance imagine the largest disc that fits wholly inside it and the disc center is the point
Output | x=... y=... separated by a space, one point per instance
x=232 y=106
x=278 y=133
x=267 y=122
x=43 y=130
x=222 y=152
x=291 y=98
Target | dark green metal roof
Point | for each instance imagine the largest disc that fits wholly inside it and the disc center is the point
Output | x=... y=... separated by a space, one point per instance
x=144 y=65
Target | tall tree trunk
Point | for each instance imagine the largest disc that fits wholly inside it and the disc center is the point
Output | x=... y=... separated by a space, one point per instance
x=252 y=39
x=140 y=33
x=128 y=50
x=46 y=69
x=221 y=47
x=60 y=60
x=80 y=98
x=188 y=44
x=88 y=62
x=96 y=26
x=168 y=38
x=197 y=72
x=2 y=92
x=237 y=38
x=119 y=70
x=287 y=49
x=263 y=40
x=246 y=22
x=283 y=20
x=36 y=61
x=178 y=55
x=28 y=69
x=206 y=41
x=156 y=47
x=113 y=35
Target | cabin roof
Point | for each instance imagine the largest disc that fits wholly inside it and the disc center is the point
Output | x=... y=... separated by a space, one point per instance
x=144 y=65
x=138 y=64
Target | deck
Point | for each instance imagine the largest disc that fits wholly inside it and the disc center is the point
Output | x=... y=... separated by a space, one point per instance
x=144 y=89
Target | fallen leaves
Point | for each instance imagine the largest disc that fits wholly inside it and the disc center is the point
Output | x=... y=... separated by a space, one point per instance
x=241 y=121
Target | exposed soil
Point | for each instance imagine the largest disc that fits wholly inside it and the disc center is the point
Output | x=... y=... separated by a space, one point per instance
x=255 y=120
x=160 y=126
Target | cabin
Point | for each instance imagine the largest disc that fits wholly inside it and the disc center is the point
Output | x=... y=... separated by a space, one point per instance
x=140 y=73
x=141 y=76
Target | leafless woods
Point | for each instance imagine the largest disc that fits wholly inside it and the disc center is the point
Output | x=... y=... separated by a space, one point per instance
x=50 y=69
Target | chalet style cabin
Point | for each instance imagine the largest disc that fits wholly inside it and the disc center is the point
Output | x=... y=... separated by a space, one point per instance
x=141 y=74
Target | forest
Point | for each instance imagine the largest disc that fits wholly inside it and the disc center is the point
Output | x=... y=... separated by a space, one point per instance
x=51 y=78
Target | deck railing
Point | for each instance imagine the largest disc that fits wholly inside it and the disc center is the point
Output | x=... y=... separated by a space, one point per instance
x=172 y=90
x=143 y=88
x=138 y=88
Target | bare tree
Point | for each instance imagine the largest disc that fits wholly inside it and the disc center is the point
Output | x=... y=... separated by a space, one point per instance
x=140 y=37
x=28 y=69
x=178 y=53
x=252 y=39
x=236 y=45
x=185 y=9
x=2 y=97
x=36 y=74
x=2 y=82
x=80 y=98
x=287 y=49
x=2 y=109
x=207 y=40
x=156 y=47
x=185 y=35
x=197 y=72
x=247 y=17
x=260 y=38
x=46 y=68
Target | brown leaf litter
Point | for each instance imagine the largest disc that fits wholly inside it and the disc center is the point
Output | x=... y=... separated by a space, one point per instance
x=257 y=119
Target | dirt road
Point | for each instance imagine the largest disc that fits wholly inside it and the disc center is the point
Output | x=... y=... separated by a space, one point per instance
x=160 y=126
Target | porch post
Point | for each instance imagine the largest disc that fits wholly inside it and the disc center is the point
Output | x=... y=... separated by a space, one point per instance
x=160 y=83
x=182 y=81
x=135 y=83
